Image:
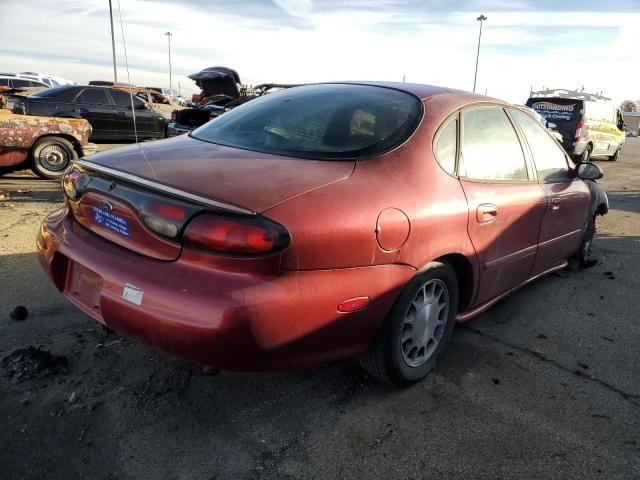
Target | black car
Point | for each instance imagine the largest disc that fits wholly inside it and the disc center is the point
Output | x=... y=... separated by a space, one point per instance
x=108 y=111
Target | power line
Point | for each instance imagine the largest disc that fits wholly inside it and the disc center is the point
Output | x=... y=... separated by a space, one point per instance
x=126 y=63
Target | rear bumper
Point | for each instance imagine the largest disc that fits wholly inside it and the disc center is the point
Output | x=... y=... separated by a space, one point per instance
x=240 y=319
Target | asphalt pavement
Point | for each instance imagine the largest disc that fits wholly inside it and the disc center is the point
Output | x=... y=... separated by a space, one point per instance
x=546 y=384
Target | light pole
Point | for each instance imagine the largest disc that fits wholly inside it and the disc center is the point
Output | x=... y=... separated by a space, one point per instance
x=113 y=45
x=169 y=35
x=481 y=19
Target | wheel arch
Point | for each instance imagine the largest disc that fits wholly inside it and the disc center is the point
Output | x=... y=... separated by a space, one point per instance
x=464 y=273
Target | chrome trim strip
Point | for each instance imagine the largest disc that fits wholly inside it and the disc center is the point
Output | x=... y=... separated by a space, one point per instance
x=511 y=257
x=546 y=243
x=163 y=188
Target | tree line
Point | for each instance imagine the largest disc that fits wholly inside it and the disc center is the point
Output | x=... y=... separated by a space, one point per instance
x=630 y=106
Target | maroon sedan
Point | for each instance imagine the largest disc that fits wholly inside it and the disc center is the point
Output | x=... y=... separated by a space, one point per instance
x=320 y=222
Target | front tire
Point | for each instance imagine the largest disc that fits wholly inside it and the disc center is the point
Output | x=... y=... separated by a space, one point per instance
x=417 y=329
x=583 y=255
x=51 y=156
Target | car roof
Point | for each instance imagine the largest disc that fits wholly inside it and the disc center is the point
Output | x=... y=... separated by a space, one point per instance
x=13 y=77
x=423 y=91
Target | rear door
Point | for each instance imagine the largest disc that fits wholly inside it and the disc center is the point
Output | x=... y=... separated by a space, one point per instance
x=506 y=203
x=568 y=197
x=93 y=105
x=145 y=117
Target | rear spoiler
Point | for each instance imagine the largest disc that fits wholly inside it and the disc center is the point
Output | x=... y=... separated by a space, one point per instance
x=162 y=188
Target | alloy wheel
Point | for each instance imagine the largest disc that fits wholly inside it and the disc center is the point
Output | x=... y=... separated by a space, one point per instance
x=424 y=323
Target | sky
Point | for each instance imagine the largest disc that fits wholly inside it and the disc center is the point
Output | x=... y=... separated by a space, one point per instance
x=593 y=44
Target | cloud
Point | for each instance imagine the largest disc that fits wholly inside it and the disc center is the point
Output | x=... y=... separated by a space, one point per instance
x=524 y=44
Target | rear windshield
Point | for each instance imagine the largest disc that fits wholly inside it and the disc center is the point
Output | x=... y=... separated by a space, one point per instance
x=319 y=122
x=557 y=110
x=564 y=113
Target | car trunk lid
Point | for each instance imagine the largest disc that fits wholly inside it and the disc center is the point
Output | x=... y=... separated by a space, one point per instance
x=249 y=180
x=143 y=198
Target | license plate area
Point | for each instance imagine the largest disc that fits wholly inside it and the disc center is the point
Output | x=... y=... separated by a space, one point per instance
x=84 y=288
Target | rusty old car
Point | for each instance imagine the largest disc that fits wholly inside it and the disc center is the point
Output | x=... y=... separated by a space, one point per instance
x=45 y=144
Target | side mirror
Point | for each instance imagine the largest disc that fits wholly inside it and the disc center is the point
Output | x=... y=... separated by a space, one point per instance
x=589 y=171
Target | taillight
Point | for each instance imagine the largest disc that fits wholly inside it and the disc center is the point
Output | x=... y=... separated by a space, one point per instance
x=579 y=130
x=164 y=218
x=171 y=212
x=235 y=235
x=72 y=182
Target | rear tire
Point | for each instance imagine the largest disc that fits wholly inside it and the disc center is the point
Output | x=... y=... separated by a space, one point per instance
x=417 y=329
x=586 y=155
x=51 y=156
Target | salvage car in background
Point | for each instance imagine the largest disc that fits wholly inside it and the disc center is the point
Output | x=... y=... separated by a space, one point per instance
x=171 y=94
x=154 y=100
x=220 y=92
x=7 y=92
x=45 y=144
x=320 y=222
x=589 y=124
x=12 y=81
x=108 y=110
x=49 y=80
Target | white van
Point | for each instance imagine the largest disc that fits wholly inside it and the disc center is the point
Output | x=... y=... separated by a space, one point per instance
x=589 y=124
x=45 y=78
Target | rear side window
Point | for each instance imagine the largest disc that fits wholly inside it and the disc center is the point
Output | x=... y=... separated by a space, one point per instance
x=64 y=93
x=490 y=147
x=4 y=82
x=21 y=83
x=601 y=111
x=331 y=121
x=93 y=96
x=551 y=164
x=446 y=147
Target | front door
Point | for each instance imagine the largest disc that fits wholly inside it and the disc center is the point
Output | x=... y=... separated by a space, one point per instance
x=93 y=105
x=506 y=204
x=568 y=198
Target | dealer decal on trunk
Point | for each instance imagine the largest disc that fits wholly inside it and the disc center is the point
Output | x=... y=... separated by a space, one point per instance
x=111 y=221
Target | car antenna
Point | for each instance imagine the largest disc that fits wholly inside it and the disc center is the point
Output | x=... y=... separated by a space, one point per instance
x=126 y=63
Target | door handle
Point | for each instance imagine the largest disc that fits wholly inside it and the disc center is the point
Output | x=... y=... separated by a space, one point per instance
x=556 y=203
x=486 y=212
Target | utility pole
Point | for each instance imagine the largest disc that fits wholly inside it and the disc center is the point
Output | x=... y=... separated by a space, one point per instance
x=169 y=35
x=113 y=45
x=481 y=19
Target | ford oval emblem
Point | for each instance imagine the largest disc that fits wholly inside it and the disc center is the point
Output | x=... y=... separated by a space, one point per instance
x=106 y=206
